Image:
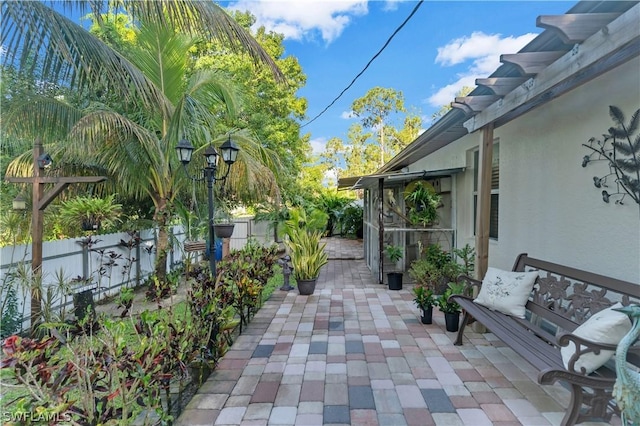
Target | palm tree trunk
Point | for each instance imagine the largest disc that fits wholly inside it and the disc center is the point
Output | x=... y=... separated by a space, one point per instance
x=161 y=218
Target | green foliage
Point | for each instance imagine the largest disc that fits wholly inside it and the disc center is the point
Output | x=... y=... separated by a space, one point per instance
x=423 y=202
x=273 y=111
x=467 y=255
x=394 y=253
x=436 y=267
x=307 y=254
x=375 y=139
x=312 y=220
x=334 y=206
x=443 y=300
x=423 y=296
x=10 y=322
x=88 y=380
x=425 y=273
x=112 y=370
x=276 y=215
x=352 y=220
x=86 y=212
x=242 y=276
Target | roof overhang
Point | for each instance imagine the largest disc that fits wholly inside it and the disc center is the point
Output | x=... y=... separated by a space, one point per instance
x=591 y=39
x=360 y=182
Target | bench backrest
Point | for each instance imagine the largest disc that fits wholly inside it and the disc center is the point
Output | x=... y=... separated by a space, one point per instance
x=567 y=297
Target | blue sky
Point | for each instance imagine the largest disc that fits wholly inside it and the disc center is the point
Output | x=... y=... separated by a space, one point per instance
x=446 y=45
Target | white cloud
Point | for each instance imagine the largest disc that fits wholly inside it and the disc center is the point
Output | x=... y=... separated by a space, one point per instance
x=301 y=20
x=347 y=115
x=330 y=178
x=481 y=52
x=446 y=94
x=391 y=5
x=318 y=145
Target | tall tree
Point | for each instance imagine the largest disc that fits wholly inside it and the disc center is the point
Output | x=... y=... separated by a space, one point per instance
x=374 y=108
x=163 y=102
x=273 y=111
x=362 y=153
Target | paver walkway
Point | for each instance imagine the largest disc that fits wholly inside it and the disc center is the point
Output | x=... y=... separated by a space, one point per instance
x=355 y=353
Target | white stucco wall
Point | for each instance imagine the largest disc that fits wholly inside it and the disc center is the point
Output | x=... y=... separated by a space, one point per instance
x=549 y=206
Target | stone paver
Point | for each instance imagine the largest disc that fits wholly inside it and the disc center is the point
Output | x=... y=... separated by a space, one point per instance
x=355 y=353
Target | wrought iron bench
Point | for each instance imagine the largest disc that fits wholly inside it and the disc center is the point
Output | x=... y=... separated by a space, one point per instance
x=562 y=299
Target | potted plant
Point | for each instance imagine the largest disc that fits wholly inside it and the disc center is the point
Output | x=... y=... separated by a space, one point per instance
x=424 y=298
x=423 y=202
x=451 y=309
x=90 y=213
x=307 y=257
x=394 y=279
x=222 y=224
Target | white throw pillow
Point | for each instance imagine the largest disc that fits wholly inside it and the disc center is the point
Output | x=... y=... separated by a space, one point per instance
x=607 y=326
x=506 y=291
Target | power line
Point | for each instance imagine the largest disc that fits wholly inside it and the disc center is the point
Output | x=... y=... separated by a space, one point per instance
x=415 y=9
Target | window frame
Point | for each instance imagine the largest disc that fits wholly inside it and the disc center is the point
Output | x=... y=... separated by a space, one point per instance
x=494 y=230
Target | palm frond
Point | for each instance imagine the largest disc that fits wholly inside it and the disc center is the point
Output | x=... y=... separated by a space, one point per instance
x=53 y=48
x=39 y=117
x=204 y=18
x=126 y=149
x=160 y=53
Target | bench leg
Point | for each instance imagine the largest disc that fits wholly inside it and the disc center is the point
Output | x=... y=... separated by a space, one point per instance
x=465 y=321
x=575 y=404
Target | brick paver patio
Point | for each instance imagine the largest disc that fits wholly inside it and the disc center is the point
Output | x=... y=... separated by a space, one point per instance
x=355 y=353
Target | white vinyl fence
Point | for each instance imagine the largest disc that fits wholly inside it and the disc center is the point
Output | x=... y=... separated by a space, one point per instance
x=102 y=263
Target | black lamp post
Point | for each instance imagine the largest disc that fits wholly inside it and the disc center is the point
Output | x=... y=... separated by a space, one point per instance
x=229 y=155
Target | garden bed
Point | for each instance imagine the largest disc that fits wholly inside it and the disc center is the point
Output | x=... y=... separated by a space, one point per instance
x=140 y=368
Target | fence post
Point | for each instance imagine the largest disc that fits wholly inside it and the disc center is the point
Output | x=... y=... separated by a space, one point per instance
x=138 y=260
x=85 y=261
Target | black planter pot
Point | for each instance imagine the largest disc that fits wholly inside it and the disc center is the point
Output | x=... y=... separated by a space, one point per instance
x=306 y=287
x=395 y=280
x=452 y=320
x=82 y=303
x=90 y=224
x=223 y=230
x=427 y=315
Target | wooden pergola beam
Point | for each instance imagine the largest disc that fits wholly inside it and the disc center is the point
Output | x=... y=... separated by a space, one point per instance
x=531 y=63
x=575 y=27
x=501 y=85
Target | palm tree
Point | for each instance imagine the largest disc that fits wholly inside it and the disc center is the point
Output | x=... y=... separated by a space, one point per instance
x=159 y=101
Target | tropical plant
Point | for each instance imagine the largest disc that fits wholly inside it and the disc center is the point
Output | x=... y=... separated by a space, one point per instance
x=425 y=273
x=90 y=213
x=466 y=255
x=423 y=297
x=307 y=253
x=437 y=267
x=158 y=98
x=352 y=221
x=423 y=203
x=394 y=253
x=447 y=306
x=334 y=206
x=276 y=215
x=313 y=220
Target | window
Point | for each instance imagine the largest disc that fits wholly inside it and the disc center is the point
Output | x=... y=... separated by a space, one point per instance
x=495 y=190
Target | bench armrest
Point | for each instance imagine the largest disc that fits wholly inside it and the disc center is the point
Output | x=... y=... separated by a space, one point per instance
x=469 y=283
x=583 y=346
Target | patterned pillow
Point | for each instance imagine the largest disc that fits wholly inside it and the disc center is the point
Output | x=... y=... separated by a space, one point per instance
x=506 y=291
x=606 y=326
